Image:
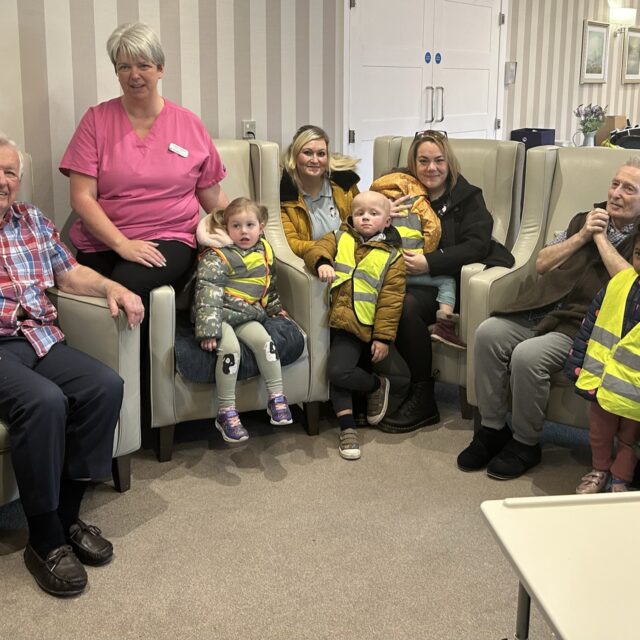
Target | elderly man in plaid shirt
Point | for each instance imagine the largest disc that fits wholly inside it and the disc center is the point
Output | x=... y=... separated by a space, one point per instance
x=60 y=404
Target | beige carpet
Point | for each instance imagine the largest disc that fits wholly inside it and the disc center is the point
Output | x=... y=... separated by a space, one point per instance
x=282 y=539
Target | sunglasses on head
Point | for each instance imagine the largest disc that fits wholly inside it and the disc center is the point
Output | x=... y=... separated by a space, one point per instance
x=431 y=133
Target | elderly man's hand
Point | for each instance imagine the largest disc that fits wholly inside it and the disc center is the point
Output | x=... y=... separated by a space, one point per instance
x=118 y=297
x=596 y=222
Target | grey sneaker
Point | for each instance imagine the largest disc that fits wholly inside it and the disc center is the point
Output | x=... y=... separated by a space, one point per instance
x=349 y=447
x=377 y=402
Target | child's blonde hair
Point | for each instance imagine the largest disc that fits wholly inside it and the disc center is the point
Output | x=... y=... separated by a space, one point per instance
x=220 y=217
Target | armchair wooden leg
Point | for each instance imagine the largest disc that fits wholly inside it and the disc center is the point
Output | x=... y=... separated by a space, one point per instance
x=312 y=423
x=165 y=442
x=466 y=410
x=121 y=472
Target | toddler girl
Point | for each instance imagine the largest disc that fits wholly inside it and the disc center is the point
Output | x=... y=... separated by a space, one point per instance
x=235 y=293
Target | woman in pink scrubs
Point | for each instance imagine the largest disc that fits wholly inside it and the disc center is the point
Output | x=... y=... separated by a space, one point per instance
x=140 y=166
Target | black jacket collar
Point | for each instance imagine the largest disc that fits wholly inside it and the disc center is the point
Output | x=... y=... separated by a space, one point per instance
x=344 y=179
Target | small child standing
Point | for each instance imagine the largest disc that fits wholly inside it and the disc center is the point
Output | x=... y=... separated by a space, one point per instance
x=362 y=262
x=235 y=293
x=604 y=362
x=420 y=230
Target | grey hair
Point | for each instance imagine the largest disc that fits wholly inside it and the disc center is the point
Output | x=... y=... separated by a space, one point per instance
x=633 y=161
x=5 y=141
x=137 y=41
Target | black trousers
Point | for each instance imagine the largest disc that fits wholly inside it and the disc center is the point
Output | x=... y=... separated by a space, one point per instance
x=350 y=370
x=62 y=410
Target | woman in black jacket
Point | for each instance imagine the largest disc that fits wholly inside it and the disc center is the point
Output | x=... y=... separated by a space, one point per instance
x=466 y=238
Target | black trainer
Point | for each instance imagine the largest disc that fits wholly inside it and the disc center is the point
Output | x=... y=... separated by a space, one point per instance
x=485 y=445
x=514 y=460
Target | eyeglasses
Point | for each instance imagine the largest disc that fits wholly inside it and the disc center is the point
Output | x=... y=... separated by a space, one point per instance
x=431 y=133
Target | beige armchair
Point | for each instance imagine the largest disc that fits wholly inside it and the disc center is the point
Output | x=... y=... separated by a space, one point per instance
x=497 y=168
x=559 y=183
x=253 y=171
x=89 y=327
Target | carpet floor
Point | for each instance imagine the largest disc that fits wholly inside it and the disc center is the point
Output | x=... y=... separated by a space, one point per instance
x=282 y=539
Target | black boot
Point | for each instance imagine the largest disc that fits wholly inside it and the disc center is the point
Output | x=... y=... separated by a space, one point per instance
x=418 y=410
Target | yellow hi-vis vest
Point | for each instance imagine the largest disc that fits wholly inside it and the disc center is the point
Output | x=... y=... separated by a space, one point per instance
x=410 y=229
x=611 y=364
x=250 y=274
x=367 y=276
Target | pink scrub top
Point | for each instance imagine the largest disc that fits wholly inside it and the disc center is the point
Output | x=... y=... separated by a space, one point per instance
x=146 y=187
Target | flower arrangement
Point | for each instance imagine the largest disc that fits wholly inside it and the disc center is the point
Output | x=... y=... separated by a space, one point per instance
x=591 y=117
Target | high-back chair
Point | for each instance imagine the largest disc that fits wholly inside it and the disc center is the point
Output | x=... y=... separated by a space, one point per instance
x=252 y=171
x=496 y=166
x=559 y=183
x=89 y=327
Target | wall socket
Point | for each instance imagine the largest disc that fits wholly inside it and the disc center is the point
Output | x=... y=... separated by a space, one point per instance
x=249 y=129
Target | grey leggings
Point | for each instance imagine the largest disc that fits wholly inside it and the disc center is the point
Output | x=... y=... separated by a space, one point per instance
x=256 y=337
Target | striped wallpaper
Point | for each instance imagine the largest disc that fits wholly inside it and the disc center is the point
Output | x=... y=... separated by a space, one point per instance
x=545 y=38
x=279 y=62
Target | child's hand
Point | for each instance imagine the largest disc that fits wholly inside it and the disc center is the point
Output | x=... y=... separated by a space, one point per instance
x=326 y=273
x=283 y=313
x=379 y=351
x=208 y=344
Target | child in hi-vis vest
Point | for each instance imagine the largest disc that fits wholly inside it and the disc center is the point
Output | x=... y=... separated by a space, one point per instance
x=604 y=362
x=363 y=263
x=235 y=293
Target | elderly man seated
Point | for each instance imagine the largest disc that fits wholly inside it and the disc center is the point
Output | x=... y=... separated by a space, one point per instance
x=60 y=404
x=519 y=349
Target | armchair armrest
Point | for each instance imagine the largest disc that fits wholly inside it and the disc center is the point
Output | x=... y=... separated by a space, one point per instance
x=305 y=298
x=162 y=333
x=88 y=326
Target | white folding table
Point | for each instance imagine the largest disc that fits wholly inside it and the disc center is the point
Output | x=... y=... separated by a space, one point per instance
x=577 y=557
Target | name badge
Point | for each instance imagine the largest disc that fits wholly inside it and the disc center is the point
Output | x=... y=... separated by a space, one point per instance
x=179 y=150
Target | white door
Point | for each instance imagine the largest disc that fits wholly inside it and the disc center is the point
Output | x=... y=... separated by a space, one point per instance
x=420 y=64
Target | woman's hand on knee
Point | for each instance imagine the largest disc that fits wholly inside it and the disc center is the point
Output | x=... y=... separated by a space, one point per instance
x=143 y=252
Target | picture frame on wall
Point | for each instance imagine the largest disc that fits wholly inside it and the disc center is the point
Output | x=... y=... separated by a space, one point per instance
x=631 y=56
x=595 y=52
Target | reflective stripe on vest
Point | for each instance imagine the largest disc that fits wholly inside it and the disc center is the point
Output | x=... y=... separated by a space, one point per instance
x=410 y=229
x=250 y=274
x=612 y=364
x=367 y=276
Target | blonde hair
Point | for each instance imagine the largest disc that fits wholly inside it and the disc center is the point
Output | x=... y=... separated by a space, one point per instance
x=136 y=41
x=220 y=217
x=302 y=137
x=442 y=142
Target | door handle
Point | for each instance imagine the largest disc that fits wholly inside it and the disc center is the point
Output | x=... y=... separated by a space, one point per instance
x=441 y=118
x=428 y=103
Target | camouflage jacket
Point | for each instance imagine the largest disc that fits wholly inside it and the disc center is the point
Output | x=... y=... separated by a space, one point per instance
x=212 y=305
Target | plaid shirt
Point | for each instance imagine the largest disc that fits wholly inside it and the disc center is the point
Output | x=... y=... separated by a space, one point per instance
x=31 y=255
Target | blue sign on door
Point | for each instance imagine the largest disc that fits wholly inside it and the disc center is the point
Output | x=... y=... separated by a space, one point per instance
x=438 y=58
x=427 y=57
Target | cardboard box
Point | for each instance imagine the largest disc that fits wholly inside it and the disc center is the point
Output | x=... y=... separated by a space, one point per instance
x=534 y=137
x=610 y=123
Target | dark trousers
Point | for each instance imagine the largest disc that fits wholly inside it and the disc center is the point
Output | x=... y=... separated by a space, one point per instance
x=413 y=340
x=350 y=371
x=62 y=410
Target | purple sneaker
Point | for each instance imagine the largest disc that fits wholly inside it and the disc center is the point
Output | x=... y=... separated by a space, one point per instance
x=279 y=411
x=229 y=425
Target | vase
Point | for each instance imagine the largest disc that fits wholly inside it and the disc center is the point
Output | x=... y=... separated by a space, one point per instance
x=589 y=139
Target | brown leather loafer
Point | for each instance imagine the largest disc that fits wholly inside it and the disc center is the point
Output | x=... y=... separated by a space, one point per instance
x=89 y=544
x=59 y=574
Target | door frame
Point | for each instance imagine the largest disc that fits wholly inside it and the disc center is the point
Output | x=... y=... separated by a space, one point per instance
x=346 y=73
